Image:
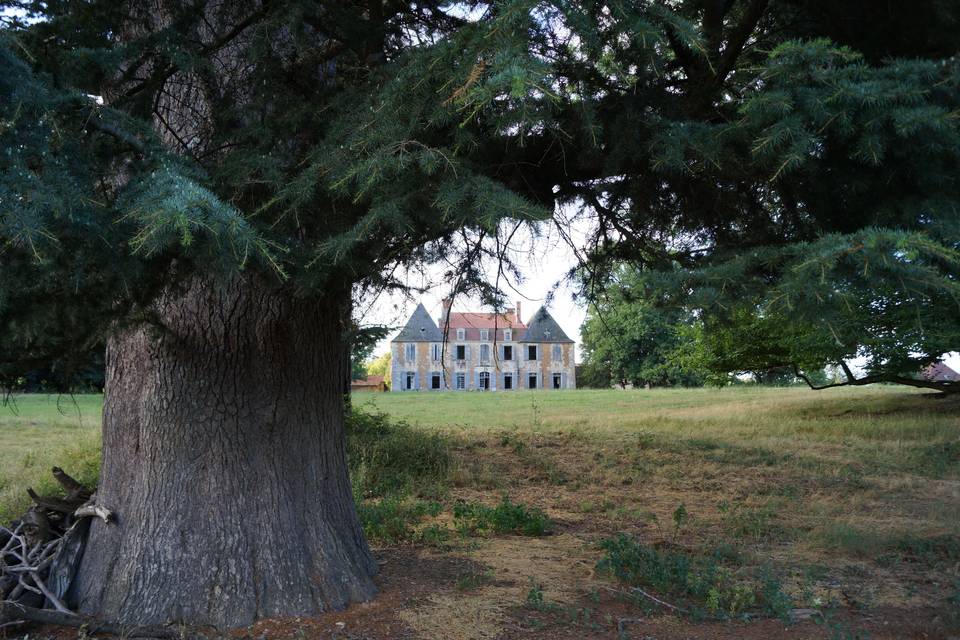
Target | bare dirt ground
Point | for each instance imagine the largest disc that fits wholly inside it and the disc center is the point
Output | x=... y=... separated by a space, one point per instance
x=420 y=600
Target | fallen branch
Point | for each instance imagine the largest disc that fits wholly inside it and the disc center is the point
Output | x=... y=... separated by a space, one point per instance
x=91 y=510
x=54 y=504
x=49 y=595
x=74 y=489
x=650 y=597
x=623 y=622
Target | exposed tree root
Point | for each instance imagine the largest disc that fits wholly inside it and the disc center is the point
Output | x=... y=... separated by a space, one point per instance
x=12 y=613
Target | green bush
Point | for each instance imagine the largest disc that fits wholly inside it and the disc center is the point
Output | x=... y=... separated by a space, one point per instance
x=506 y=517
x=392 y=520
x=390 y=458
x=702 y=579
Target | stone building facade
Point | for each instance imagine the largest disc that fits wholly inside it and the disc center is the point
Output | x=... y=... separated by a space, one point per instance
x=481 y=351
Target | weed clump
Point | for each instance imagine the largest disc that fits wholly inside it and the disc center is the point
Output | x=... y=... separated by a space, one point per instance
x=389 y=457
x=712 y=588
x=506 y=517
x=391 y=520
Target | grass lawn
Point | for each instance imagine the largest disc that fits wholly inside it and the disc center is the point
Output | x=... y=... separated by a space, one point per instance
x=851 y=497
x=38 y=432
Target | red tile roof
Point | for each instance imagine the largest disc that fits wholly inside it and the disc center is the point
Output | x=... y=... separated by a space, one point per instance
x=469 y=320
x=369 y=381
x=472 y=323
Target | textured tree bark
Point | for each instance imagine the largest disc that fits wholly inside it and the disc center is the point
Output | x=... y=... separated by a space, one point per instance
x=223 y=460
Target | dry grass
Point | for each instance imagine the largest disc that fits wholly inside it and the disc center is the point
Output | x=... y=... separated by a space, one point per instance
x=841 y=492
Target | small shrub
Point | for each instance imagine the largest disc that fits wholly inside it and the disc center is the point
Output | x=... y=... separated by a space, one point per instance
x=534 y=598
x=506 y=517
x=389 y=457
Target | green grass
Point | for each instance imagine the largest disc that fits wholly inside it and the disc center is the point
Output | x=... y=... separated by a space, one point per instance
x=38 y=432
x=759 y=451
x=885 y=428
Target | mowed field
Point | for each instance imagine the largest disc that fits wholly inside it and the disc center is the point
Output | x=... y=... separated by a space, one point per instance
x=847 y=500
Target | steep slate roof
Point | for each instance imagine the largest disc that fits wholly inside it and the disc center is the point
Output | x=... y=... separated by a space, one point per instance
x=543 y=328
x=419 y=328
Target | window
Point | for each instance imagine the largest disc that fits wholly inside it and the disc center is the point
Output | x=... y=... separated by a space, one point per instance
x=461 y=381
x=435 y=381
x=508 y=352
x=507 y=335
x=532 y=381
x=410 y=351
x=461 y=333
x=484 y=353
x=484 y=378
x=436 y=351
x=461 y=352
x=508 y=381
x=531 y=352
x=557 y=352
x=484 y=334
x=410 y=381
x=557 y=381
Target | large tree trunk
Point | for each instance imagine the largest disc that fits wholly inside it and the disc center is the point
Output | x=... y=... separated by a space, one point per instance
x=223 y=459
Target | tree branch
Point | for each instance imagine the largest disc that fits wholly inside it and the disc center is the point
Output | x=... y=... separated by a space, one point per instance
x=945 y=387
x=738 y=38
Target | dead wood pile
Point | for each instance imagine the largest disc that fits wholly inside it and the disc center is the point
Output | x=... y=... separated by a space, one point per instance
x=40 y=552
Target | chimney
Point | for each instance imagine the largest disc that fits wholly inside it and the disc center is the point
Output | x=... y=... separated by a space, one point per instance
x=445 y=313
x=519 y=318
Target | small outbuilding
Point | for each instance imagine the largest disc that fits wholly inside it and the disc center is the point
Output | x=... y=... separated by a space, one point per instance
x=370 y=383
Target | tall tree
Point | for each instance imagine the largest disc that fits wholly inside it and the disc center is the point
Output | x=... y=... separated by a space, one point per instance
x=203 y=183
x=633 y=341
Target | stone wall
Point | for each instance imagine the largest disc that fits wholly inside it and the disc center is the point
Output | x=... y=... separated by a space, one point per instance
x=520 y=368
